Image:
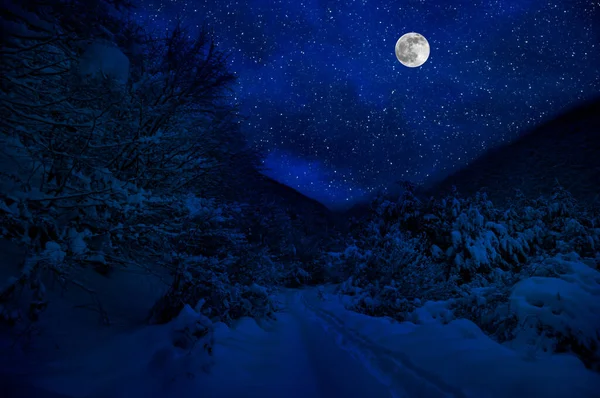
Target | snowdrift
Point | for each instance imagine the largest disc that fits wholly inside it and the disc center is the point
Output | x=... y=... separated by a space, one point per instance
x=316 y=348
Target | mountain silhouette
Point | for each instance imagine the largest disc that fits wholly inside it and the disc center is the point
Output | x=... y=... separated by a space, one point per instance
x=565 y=149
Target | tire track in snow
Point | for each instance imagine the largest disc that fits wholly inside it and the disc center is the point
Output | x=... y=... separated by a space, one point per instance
x=394 y=369
x=338 y=372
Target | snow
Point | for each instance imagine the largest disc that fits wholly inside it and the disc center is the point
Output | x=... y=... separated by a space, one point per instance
x=53 y=253
x=77 y=243
x=569 y=304
x=93 y=173
x=105 y=59
x=316 y=348
x=455 y=359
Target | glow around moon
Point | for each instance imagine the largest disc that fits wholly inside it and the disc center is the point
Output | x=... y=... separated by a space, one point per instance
x=412 y=49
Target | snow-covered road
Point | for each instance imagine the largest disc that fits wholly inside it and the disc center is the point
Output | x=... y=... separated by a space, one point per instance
x=317 y=349
x=295 y=357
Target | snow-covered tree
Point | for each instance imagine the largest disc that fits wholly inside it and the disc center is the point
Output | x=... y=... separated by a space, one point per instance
x=105 y=132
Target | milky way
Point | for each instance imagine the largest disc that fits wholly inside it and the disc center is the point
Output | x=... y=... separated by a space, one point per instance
x=339 y=117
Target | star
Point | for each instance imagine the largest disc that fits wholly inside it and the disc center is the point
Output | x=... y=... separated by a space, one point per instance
x=339 y=118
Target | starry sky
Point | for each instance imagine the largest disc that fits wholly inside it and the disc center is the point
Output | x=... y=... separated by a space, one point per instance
x=339 y=117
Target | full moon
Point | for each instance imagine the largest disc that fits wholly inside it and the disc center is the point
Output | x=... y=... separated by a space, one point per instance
x=412 y=49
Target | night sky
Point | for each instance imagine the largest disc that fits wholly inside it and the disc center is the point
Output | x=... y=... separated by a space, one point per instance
x=340 y=117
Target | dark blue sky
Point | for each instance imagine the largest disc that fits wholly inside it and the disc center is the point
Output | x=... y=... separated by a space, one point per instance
x=340 y=117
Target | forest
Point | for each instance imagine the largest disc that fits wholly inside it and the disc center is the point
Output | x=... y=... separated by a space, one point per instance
x=123 y=153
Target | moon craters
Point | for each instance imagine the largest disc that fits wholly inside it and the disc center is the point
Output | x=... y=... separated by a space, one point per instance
x=412 y=49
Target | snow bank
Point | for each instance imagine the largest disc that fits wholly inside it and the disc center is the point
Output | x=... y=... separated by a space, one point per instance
x=568 y=305
x=316 y=349
x=155 y=361
x=105 y=59
x=290 y=358
x=455 y=359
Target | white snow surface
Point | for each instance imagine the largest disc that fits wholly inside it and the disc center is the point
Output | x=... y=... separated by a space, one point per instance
x=316 y=348
x=569 y=304
x=105 y=59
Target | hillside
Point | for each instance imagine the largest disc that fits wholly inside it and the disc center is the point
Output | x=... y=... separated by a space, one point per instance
x=295 y=201
x=566 y=149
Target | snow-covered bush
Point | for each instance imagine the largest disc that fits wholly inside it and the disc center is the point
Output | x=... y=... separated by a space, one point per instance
x=560 y=313
x=295 y=275
x=213 y=263
x=205 y=284
x=387 y=271
x=471 y=238
x=488 y=308
x=288 y=238
x=486 y=263
x=552 y=307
